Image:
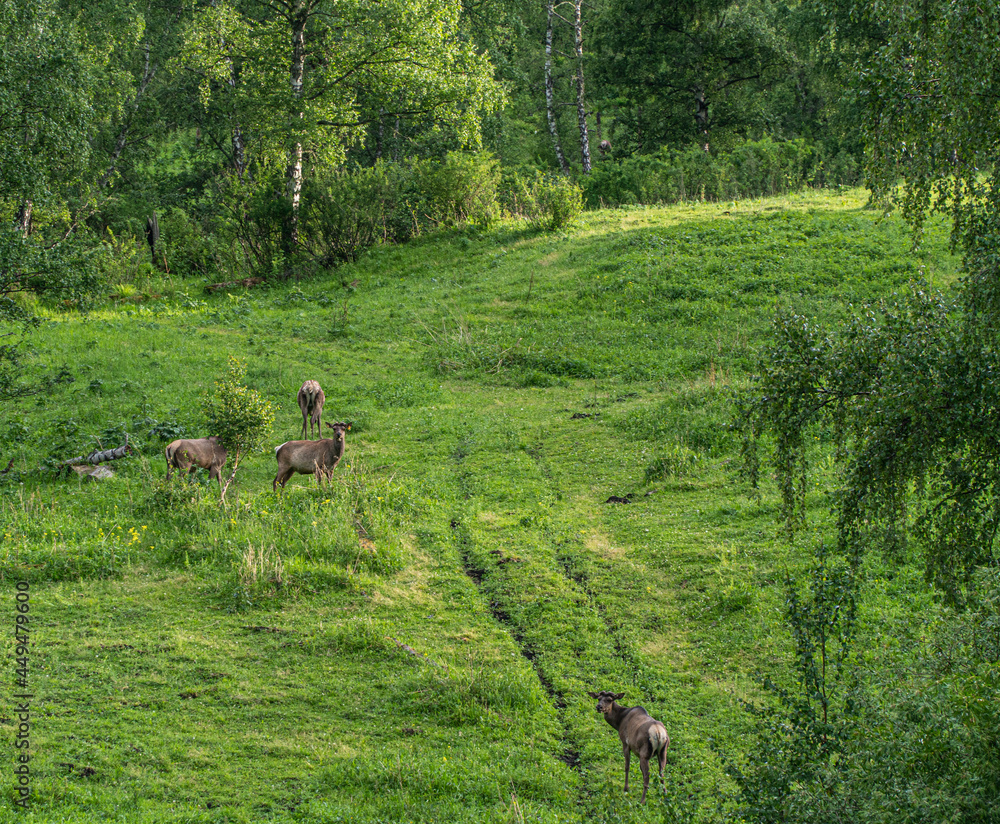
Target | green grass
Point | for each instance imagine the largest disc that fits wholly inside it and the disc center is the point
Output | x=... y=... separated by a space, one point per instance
x=415 y=641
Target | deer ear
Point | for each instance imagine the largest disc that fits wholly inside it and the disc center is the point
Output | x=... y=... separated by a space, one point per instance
x=619 y=696
x=593 y=694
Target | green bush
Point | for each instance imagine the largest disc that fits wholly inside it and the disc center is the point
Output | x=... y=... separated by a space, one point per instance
x=185 y=245
x=462 y=188
x=545 y=201
x=753 y=169
x=345 y=211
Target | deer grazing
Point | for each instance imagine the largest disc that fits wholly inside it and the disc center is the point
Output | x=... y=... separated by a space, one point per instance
x=311 y=399
x=319 y=457
x=207 y=453
x=639 y=733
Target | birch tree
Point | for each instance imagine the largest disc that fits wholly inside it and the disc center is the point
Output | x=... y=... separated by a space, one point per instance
x=550 y=104
x=570 y=14
x=581 y=106
x=314 y=73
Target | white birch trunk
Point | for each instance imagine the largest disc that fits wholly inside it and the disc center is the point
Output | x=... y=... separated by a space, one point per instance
x=298 y=17
x=581 y=108
x=550 y=92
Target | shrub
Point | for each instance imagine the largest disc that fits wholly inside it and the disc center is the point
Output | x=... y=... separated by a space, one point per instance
x=187 y=248
x=345 y=212
x=462 y=188
x=545 y=201
x=752 y=169
x=238 y=415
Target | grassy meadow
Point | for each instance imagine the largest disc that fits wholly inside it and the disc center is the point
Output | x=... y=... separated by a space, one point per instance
x=414 y=641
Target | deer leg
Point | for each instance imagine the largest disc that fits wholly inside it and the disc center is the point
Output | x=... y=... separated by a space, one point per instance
x=644 y=764
x=628 y=757
x=663 y=763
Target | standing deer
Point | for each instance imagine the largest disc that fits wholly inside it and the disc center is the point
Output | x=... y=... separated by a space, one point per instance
x=319 y=457
x=639 y=733
x=311 y=399
x=207 y=453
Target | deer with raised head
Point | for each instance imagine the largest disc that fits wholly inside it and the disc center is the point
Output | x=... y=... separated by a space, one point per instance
x=639 y=734
x=311 y=400
x=319 y=457
x=206 y=453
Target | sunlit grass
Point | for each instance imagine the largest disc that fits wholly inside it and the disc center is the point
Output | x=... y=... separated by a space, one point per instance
x=414 y=641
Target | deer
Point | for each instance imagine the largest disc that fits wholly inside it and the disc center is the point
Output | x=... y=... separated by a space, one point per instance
x=311 y=400
x=319 y=457
x=206 y=453
x=639 y=734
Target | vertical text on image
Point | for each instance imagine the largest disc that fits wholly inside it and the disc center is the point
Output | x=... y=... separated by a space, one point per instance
x=22 y=697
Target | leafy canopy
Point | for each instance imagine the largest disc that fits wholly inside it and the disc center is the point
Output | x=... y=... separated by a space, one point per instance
x=907 y=391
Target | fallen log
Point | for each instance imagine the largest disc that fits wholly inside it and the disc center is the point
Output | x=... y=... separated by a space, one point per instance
x=100 y=456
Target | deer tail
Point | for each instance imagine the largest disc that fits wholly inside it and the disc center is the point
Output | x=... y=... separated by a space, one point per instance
x=658 y=737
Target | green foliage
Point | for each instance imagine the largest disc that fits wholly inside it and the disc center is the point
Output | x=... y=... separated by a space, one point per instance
x=749 y=169
x=461 y=188
x=346 y=212
x=549 y=202
x=931 y=108
x=187 y=247
x=710 y=58
x=237 y=415
x=800 y=738
x=901 y=392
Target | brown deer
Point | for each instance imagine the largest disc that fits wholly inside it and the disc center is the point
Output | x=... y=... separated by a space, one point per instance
x=207 y=453
x=319 y=457
x=311 y=400
x=639 y=733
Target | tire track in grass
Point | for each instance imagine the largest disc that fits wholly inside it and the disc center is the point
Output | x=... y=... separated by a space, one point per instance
x=574 y=567
x=498 y=573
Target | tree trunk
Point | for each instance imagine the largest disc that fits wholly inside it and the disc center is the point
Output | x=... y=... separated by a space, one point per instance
x=581 y=109
x=298 y=17
x=550 y=92
x=239 y=145
x=122 y=141
x=24 y=212
x=701 y=116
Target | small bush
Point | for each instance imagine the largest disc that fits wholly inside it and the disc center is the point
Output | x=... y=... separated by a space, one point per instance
x=345 y=212
x=753 y=169
x=185 y=245
x=545 y=201
x=462 y=188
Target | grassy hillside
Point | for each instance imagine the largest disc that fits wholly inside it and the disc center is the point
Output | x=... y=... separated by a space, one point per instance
x=415 y=641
